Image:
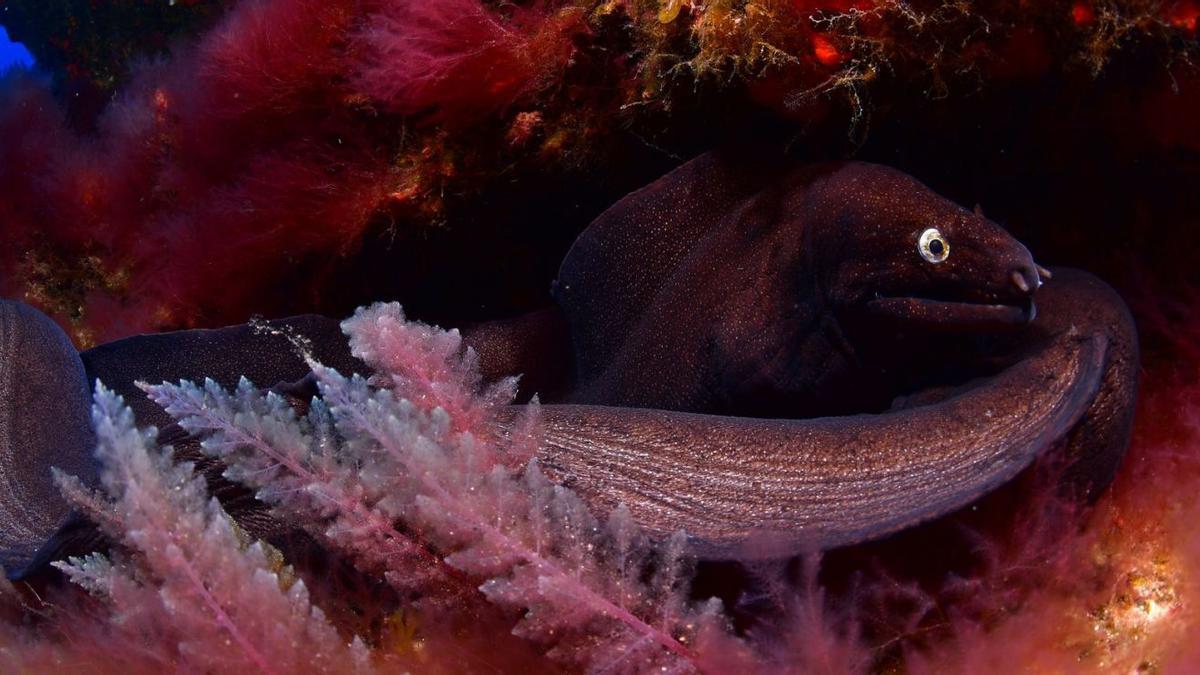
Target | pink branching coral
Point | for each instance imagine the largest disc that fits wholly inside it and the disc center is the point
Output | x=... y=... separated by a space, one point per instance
x=432 y=453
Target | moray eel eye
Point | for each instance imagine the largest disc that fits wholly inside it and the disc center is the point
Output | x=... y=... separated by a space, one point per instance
x=933 y=246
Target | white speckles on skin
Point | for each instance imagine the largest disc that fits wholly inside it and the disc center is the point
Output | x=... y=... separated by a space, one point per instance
x=44 y=403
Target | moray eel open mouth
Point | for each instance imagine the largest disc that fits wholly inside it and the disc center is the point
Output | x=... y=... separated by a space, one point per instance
x=955 y=314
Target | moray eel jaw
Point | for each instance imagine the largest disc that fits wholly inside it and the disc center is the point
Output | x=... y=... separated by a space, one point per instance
x=991 y=304
x=954 y=314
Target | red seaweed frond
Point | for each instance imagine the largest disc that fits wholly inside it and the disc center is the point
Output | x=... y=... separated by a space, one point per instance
x=429 y=452
x=183 y=572
x=460 y=58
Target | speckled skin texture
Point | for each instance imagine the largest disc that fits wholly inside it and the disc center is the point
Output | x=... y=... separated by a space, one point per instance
x=759 y=289
x=63 y=400
x=43 y=423
x=713 y=322
x=745 y=487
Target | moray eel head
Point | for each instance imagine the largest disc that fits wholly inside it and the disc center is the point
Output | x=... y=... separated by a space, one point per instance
x=905 y=254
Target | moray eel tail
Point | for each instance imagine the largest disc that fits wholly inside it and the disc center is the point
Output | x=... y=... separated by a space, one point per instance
x=44 y=408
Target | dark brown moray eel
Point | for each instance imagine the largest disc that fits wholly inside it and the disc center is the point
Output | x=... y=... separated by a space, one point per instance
x=746 y=487
x=775 y=360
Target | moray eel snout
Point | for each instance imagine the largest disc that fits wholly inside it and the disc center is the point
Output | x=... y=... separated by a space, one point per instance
x=886 y=247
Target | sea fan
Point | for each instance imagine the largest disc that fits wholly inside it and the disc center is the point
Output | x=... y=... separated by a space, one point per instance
x=416 y=465
x=183 y=582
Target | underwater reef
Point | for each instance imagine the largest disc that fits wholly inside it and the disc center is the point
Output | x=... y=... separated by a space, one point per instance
x=272 y=157
x=289 y=134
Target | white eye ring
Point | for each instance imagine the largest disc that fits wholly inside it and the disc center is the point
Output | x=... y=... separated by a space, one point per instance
x=933 y=246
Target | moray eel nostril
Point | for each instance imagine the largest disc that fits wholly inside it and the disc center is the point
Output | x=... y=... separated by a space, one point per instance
x=1019 y=281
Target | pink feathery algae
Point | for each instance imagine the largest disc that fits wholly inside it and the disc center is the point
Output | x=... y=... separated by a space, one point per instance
x=182 y=579
x=296 y=464
x=432 y=451
x=812 y=634
x=429 y=366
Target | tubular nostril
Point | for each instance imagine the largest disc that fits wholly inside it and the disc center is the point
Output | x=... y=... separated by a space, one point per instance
x=1025 y=278
x=1019 y=280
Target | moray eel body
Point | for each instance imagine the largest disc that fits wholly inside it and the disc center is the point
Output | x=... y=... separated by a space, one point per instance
x=784 y=293
x=45 y=403
x=748 y=487
x=773 y=359
x=44 y=422
x=264 y=355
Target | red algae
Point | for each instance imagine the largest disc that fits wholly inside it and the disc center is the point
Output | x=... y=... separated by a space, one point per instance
x=290 y=129
x=1108 y=588
x=460 y=59
x=236 y=146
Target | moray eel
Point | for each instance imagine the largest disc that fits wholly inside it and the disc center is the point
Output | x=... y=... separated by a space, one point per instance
x=760 y=296
x=750 y=487
x=44 y=421
x=773 y=359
